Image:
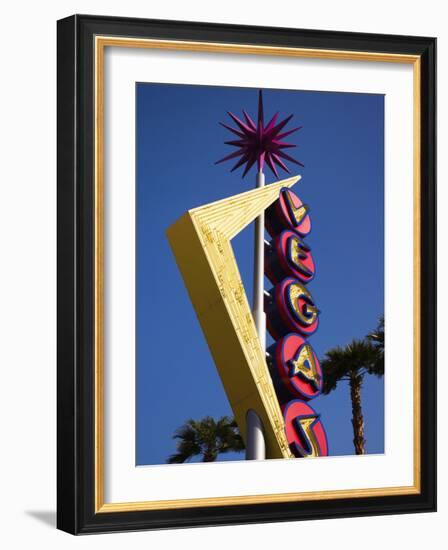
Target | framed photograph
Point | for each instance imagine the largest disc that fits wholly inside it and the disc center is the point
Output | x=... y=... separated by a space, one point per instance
x=246 y=274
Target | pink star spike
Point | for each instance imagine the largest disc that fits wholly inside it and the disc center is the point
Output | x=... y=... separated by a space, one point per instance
x=258 y=143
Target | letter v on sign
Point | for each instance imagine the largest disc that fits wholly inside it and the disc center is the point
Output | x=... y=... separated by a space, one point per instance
x=201 y=243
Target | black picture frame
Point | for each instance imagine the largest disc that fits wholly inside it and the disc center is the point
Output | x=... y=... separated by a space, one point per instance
x=76 y=262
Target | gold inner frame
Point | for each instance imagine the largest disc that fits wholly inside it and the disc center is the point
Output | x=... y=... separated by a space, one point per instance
x=101 y=42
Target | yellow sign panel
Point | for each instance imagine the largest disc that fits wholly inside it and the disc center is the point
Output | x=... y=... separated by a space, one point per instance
x=201 y=243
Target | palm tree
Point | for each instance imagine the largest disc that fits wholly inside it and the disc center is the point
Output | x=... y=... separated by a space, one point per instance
x=206 y=437
x=351 y=363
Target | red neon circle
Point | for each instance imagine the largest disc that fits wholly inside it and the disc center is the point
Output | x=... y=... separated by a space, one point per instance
x=285 y=309
x=298 y=442
x=286 y=350
x=282 y=246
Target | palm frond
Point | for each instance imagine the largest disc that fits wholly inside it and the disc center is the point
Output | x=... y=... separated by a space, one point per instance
x=206 y=437
x=352 y=360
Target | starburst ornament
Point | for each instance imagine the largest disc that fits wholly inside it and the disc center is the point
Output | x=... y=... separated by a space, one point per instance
x=258 y=143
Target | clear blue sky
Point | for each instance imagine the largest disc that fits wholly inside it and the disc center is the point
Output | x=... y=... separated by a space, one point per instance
x=178 y=140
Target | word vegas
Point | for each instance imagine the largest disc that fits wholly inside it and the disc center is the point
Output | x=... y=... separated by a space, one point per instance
x=292 y=317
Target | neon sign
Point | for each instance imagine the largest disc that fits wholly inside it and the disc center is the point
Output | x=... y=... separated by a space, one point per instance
x=201 y=243
x=292 y=316
x=289 y=255
x=304 y=430
x=279 y=392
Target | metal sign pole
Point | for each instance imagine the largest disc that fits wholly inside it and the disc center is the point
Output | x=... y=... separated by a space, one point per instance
x=255 y=445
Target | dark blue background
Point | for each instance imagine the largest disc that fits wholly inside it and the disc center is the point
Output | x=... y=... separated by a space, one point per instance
x=178 y=140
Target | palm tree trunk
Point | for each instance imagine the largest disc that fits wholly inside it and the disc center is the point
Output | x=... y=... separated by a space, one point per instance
x=209 y=456
x=357 y=417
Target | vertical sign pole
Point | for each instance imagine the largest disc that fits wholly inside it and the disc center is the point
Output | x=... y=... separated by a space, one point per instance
x=255 y=448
